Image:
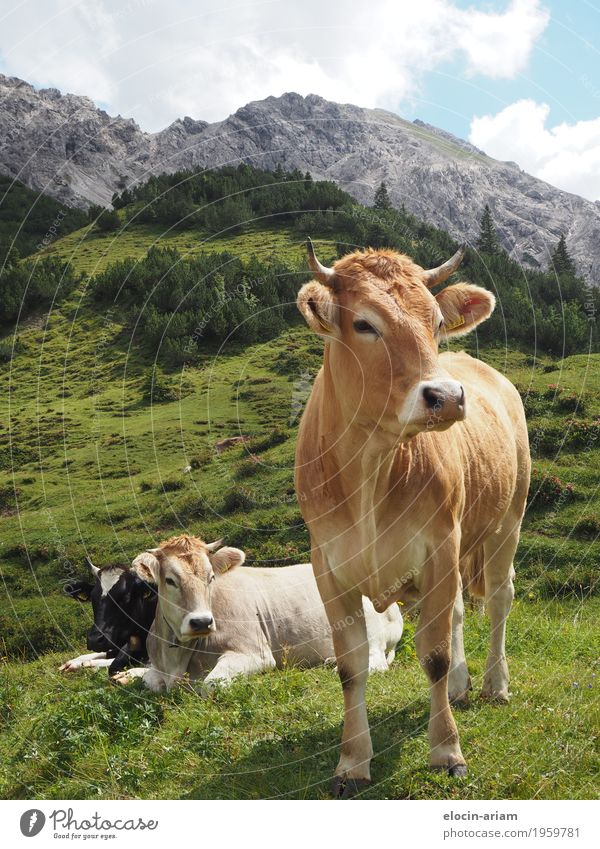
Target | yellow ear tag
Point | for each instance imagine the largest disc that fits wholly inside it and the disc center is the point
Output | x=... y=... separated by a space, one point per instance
x=458 y=323
x=82 y=597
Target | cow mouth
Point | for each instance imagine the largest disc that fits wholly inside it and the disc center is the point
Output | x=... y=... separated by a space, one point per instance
x=196 y=634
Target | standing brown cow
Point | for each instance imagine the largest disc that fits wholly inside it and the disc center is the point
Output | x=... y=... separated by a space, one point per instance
x=412 y=471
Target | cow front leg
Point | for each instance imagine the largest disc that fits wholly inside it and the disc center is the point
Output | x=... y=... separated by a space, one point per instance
x=349 y=632
x=95 y=660
x=231 y=664
x=433 y=642
x=459 y=680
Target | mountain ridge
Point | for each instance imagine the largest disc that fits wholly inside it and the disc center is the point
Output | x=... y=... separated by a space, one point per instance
x=67 y=147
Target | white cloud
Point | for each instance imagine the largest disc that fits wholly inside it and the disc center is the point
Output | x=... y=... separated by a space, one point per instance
x=158 y=61
x=567 y=155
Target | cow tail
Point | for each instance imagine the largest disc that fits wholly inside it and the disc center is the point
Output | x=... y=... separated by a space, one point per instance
x=473 y=576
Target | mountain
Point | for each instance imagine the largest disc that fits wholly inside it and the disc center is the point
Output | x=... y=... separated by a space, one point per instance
x=65 y=146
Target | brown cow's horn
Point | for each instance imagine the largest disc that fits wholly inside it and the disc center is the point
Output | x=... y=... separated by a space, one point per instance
x=322 y=273
x=443 y=272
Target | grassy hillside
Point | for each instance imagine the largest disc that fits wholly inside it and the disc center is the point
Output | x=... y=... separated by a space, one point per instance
x=93 y=448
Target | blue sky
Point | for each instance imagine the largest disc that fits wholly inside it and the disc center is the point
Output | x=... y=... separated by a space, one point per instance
x=564 y=58
x=519 y=78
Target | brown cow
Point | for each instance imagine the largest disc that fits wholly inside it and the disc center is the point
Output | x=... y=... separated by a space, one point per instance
x=412 y=470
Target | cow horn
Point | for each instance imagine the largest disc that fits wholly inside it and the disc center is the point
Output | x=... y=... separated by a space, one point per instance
x=437 y=275
x=212 y=546
x=322 y=273
x=94 y=569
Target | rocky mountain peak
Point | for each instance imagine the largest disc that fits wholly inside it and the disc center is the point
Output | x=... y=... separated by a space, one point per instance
x=65 y=146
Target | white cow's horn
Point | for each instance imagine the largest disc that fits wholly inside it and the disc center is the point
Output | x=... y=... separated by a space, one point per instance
x=322 y=273
x=94 y=569
x=212 y=546
x=437 y=275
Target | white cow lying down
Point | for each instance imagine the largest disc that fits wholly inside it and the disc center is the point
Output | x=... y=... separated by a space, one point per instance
x=216 y=619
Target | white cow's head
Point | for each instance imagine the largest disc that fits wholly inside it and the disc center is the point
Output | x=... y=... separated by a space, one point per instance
x=184 y=569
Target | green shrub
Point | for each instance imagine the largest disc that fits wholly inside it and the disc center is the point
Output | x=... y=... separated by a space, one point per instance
x=548 y=490
x=237 y=499
x=171 y=485
x=276 y=437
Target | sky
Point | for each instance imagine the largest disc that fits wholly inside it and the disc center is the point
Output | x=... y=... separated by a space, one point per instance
x=518 y=78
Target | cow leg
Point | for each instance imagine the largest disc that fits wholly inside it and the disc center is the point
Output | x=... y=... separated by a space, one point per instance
x=499 y=594
x=459 y=680
x=88 y=661
x=232 y=664
x=433 y=643
x=126 y=676
x=349 y=632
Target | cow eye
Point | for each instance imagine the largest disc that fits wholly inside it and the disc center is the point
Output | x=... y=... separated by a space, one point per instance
x=211 y=579
x=441 y=324
x=170 y=582
x=362 y=326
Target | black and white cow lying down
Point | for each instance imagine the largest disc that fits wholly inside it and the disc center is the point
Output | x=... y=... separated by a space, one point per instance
x=124 y=606
x=216 y=619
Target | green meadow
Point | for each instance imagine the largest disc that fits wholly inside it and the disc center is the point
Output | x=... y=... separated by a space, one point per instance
x=94 y=462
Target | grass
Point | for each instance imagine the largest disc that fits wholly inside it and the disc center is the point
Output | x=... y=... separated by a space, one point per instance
x=276 y=735
x=91 y=251
x=90 y=466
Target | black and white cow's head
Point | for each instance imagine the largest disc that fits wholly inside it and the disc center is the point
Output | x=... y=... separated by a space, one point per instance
x=124 y=606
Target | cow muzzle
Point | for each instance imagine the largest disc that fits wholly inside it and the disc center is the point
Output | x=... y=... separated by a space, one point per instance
x=197 y=625
x=444 y=403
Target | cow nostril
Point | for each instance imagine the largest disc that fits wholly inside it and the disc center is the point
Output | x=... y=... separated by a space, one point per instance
x=433 y=397
x=201 y=623
x=462 y=397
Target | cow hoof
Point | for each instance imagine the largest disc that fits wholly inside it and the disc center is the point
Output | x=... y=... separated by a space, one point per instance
x=347 y=788
x=497 y=697
x=459 y=699
x=455 y=771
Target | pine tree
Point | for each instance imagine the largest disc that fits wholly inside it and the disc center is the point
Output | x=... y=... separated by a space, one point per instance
x=561 y=258
x=382 y=198
x=487 y=242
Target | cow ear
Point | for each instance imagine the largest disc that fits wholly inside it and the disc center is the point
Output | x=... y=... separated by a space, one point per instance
x=226 y=558
x=147 y=567
x=79 y=590
x=463 y=307
x=320 y=311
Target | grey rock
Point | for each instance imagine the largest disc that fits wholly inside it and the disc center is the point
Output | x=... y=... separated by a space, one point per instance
x=65 y=146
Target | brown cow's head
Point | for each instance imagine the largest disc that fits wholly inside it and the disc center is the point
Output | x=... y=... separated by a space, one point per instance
x=184 y=569
x=384 y=326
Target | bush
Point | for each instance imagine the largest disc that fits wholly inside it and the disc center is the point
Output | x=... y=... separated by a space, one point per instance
x=548 y=490
x=571 y=403
x=276 y=437
x=34 y=284
x=157 y=388
x=237 y=499
x=171 y=485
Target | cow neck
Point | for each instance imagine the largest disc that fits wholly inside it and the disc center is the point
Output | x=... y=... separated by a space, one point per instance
x=373 y=462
